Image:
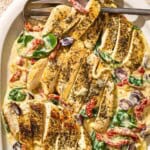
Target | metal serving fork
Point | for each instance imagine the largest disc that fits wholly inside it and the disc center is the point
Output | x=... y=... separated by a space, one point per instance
x=44 y=7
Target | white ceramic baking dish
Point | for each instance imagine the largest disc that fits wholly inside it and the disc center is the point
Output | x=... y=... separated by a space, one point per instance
x=11 y=24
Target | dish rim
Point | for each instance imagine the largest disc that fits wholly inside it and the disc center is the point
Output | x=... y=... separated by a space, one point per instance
x=7 y=19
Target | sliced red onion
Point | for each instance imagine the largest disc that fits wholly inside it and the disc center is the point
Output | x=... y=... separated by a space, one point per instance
x=125 y=104
x=30 y=96
x=145 y=132
x=121 y=74
x=146 y=62
x=67 y=41
x=17 y=146
x=135 y=97
x=79 y=119
x=16 y=109
x=147 y=77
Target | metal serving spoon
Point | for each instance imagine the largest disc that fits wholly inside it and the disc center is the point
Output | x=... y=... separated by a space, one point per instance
x=44 y=7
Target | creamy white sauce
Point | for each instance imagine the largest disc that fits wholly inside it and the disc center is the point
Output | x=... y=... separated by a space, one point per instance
x=82 y=140
x=81 y=92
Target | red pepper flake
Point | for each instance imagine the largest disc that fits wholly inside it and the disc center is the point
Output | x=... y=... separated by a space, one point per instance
x=110 y=142
x=33 y=61
x=35 y=44
x=31 y=28
x=53 y=55
x=140 y=127
x=141 y=70
x=139 y=109
x=16 y=76
x=41 y=92
x=123 y=82
x=28 y=26
x=53 y=96
x=78 y=6
x=123 y=132
x=89 y=107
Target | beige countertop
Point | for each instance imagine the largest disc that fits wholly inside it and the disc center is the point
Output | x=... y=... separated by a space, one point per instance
x=4 y=4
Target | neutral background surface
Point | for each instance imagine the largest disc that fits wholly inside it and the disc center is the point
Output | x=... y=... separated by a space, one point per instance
x=3 y=5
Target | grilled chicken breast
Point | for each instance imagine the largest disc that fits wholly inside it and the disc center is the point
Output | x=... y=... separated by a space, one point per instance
x=35 y=74
x=18 y=119
x=84 y=86
x=123 y=39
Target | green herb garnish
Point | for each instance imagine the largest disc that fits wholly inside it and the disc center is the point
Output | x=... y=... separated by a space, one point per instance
x=17 y=94
x=40 y=53
x=83 y=113
x=24 y=39
x=97 y=145
x=135 y=81
x=50 y=41
x=105 y=57
x=94 y=113
x=122 y=118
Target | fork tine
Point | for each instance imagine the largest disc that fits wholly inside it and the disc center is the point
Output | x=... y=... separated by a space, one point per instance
x=41 y=5
x=39 y=13
x=50 y=1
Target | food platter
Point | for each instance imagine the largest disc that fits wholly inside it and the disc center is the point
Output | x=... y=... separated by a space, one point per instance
x=11 y=26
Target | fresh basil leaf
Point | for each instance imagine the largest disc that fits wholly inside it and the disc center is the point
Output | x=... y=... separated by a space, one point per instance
x=135 y=81
x=40 y=53
x=17 y=95
x=25 y=39
x=123 y=119
x=97 y=145
x=105 y=57
x=50 y=41
x=115 y=79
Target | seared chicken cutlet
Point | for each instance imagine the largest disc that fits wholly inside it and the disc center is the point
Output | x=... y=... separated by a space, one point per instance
x=36 y=73
x=49 y=77
x=58 y=14
x=138 y=47
x=121 y=48
x=61 y=27
x=110 y=32
x=86 y=21
x=38 y=114
x=52 y=126
x=79 y=90
x=18 y=119
x=80 y=48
